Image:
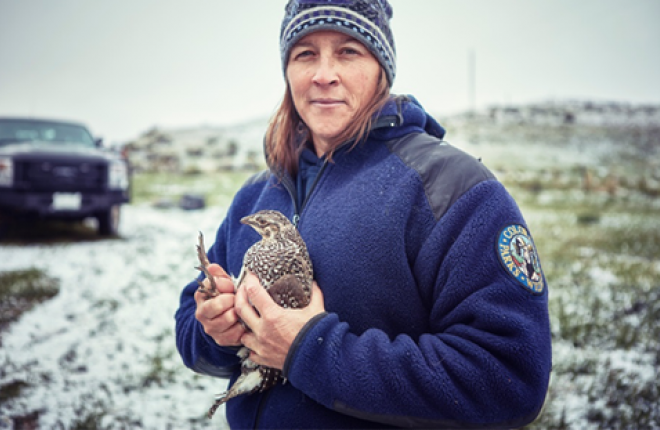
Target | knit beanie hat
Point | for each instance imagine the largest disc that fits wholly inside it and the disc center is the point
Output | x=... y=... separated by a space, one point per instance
x=368 y=21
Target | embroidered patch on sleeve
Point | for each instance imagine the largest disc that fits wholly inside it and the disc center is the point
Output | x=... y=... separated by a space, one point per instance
x=518 y=256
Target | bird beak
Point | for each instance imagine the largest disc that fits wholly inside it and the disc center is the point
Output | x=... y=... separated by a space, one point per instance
x=248 y=220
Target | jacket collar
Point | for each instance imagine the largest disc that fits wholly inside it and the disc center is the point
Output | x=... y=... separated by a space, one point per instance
x=403 y=115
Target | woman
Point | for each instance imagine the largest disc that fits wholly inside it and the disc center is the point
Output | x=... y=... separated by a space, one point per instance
x=424 y=316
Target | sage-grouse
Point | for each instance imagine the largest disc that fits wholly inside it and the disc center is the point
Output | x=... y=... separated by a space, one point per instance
x=281 y=262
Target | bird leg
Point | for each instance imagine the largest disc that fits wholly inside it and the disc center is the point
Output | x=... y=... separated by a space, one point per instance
x=253 y=378
x=203 y=266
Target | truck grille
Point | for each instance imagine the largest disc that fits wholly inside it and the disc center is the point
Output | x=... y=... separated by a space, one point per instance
x=61 y=175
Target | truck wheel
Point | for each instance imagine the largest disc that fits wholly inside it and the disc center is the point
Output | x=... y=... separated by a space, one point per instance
x=108 y=221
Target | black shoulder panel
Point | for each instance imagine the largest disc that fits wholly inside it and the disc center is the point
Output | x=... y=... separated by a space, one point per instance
x=446 y=172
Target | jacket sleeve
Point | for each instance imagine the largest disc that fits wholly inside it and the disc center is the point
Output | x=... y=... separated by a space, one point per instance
x=486 y=359
x=198 y=350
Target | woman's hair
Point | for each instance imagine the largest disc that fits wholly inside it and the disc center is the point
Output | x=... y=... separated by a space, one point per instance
x=287 y=132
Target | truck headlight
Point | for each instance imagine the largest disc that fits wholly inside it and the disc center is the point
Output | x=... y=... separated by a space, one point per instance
x=6 y=172
x=117 y=175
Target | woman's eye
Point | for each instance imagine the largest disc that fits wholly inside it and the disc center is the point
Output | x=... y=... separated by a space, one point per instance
x=303 y=54
x=354 y=51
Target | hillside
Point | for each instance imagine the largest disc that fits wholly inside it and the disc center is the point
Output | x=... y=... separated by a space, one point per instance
x=633 y=130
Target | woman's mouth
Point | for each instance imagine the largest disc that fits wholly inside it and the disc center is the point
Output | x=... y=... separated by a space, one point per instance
x=325 y=102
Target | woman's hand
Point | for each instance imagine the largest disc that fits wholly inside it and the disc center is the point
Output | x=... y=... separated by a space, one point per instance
x=217 y=314
x=273 y=328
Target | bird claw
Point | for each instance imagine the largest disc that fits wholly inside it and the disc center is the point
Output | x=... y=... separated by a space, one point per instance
x=215 y=406
x=203 y=266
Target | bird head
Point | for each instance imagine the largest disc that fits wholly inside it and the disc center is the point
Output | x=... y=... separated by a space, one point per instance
x=267 y=223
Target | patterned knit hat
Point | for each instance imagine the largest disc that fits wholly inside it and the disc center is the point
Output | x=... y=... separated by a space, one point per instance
x=365 y=20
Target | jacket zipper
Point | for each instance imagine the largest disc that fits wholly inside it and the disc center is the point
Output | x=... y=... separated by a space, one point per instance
x=291 y=189
x=287 y=181
x=262 y=404
x=381 y=122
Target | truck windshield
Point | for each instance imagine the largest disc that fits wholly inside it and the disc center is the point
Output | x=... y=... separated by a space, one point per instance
x=16 y=131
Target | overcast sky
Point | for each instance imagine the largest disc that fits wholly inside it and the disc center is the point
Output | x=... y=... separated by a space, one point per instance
x=124 y=66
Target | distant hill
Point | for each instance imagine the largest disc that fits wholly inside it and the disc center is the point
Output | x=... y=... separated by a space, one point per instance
x=606 y=128
x=210 y=148
x=199 y=149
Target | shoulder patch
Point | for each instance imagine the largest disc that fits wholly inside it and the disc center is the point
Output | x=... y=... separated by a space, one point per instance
x=518 y=256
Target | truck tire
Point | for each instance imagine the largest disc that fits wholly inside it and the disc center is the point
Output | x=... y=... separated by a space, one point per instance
x=108 y=221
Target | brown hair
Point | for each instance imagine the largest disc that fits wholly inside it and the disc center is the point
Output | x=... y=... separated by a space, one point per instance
x=287 y=132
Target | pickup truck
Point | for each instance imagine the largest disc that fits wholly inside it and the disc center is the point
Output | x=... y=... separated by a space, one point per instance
x=56 y=169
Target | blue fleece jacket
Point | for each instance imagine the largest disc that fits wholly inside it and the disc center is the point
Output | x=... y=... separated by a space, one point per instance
x=437 y=311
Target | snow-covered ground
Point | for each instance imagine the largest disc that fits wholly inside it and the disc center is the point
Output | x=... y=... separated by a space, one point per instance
x=104 y=346
x=101 y=353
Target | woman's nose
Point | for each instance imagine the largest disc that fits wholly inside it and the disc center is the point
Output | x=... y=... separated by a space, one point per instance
x=326 y=72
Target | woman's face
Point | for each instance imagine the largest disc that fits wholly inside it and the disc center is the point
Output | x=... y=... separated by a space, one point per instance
x=331 y=76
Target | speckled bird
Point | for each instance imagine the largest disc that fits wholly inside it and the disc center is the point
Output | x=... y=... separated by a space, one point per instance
x=281 y=263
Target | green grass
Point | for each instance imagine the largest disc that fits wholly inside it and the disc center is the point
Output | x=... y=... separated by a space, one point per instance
x=217 y=188
x=20 y=290
x=160 y=371
x=600 y=254
x=12 y=390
